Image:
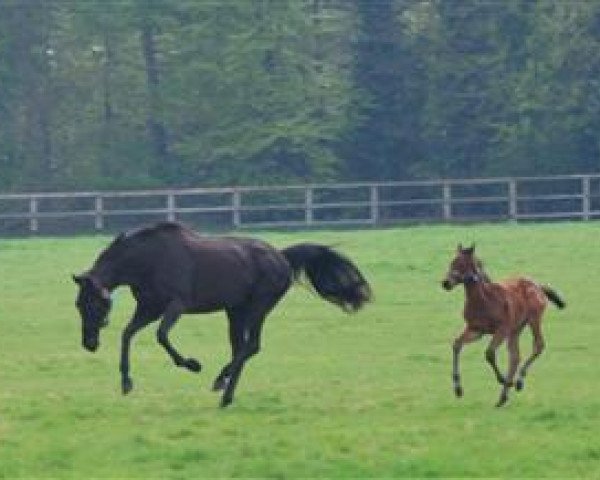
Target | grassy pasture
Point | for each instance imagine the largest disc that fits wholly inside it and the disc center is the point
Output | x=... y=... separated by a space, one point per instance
x=330 y=395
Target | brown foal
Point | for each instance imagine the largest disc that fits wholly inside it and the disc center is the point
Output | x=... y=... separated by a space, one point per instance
x=501 y=310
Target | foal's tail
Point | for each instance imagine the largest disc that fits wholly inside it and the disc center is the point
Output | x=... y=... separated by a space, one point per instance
x=553 y=296
x=334 y=277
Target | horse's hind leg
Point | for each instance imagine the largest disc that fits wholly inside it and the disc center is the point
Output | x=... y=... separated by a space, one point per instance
x=513 y=363
x=252 y=316
x=170 y=317
x=236 y=339
x=538 y=348
x=490 y=354
x=250 y=347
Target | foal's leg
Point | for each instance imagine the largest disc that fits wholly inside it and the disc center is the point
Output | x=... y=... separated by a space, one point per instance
x=236 y=339
x=141 y=318
x=513 y=363
x=490 y=353
x=170 y=317
x=538 y=347
x=467 y=336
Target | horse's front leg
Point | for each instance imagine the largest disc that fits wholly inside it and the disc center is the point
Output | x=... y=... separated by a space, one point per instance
x=467 y=336
x=140 y=319
x=170 y=317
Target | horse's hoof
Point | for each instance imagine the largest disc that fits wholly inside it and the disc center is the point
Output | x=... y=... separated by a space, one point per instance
x=192 y=365
x=458 y=391
x=126 y=386
x=226 y=401
x=519 y=384
x=502 y=401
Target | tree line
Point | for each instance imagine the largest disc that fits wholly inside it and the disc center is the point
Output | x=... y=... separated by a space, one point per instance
x=149 y=93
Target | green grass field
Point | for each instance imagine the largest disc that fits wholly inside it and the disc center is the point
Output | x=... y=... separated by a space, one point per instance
x=329 y=395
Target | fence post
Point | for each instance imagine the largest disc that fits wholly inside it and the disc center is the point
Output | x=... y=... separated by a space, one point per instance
x=236 y=204
x=374 y=205
x=447 y=201
x=585 y=197
x=170 y=207
x=512 y=199
x=33 y=209
x=308 y=206
x=99 y=220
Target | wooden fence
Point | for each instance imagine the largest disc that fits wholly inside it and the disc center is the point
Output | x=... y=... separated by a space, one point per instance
x=381 y=203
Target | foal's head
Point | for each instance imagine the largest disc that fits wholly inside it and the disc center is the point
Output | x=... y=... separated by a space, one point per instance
x=93 y=303
x=465 y=268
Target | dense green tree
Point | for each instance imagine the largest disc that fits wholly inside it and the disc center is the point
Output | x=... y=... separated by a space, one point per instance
x=253 y=97
x=28 y=96
x=150 y=93
x=385 y=141
x=554 y=94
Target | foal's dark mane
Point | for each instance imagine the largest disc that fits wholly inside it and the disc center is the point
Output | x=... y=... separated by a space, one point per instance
x=484 y=275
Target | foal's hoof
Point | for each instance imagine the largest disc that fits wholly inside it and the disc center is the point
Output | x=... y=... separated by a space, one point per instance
x=503 y=399
x=220 y=384
x=458 y=391
x=192 y=365
x=519 y=384
x=126 y=386
x=226 y=401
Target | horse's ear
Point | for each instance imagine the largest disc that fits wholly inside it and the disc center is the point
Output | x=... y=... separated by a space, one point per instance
x=470 y=250
x=459 y=248
x=78 y=279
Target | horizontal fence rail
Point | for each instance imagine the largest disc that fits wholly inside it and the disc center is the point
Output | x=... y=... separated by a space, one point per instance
x=342 y=204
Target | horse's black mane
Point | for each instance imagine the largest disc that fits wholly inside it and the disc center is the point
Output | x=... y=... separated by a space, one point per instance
x=149 y=231
x=125 y=238
x=152 y=230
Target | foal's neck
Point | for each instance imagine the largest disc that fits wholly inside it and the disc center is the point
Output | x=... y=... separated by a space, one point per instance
x=474 y=291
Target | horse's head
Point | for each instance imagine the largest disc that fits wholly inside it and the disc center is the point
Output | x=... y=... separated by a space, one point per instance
x=464 y=268
x=93 y=303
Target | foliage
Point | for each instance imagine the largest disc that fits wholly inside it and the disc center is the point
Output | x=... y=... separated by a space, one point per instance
x=144 y=93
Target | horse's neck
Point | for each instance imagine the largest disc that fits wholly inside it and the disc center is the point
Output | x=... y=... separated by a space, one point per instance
x=107 y=272
x=475 y=292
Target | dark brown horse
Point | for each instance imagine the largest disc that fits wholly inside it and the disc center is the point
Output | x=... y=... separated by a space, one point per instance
x=172 y=270
x=501 y=310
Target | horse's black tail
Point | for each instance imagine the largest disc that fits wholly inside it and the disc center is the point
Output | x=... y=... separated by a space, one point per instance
x=333 y=276
x=553 y=296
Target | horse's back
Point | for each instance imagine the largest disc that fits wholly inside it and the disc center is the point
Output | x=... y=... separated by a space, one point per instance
x=527 y=294
x=229 y=270
x=207 y=273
